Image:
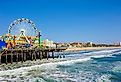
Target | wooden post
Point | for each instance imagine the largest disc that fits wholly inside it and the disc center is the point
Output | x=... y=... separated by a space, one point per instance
x=32 y=56
x=63 y=55
x=38 y=54
x=60 y=55
x=46 y=53
x=41 y=55
x=0 y=58
x=22 y=56
x=11 y=57
x=1 y=53
x=35 y=54
x=6 y=57
x=53 y=54
x=17 y=57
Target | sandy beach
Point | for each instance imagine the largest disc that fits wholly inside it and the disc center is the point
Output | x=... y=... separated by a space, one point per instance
x=90 y=48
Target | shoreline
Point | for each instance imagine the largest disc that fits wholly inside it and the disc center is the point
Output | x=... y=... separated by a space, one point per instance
x=90 y=48
x=28 y=63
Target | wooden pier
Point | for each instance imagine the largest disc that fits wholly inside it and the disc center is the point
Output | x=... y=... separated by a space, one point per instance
x=22 y=55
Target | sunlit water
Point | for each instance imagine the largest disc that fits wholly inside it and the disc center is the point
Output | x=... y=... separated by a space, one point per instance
x=89 y=66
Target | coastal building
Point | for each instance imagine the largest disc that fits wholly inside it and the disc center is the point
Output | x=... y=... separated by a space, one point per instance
x=119 y=43
x=75 y=44
x=60 y=44
x=49 y=44
x=89 y=44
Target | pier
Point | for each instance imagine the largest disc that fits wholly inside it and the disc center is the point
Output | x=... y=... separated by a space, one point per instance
x=20 y=45
x=22 y=55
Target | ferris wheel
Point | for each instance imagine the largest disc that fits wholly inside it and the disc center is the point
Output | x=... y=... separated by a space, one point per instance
x=24 y=26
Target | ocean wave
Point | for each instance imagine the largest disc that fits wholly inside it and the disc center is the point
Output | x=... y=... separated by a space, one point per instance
x=104 y=78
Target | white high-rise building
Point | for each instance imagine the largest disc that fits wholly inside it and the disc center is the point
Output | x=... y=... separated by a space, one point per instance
x=120 y=43
x=49 y=43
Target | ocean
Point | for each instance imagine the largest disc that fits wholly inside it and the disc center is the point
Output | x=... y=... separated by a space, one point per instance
x=83 y=66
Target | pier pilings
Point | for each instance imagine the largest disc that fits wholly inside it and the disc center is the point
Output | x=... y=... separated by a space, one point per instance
x=22 y=55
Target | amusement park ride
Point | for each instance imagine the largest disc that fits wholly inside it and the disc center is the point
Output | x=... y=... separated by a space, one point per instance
x=24 y=42
x=22 y=33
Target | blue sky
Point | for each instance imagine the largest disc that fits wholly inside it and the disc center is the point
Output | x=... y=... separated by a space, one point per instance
x=67 y=20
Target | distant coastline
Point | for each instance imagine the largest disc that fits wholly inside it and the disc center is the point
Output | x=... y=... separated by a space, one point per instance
x=90 y=48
